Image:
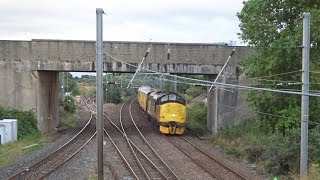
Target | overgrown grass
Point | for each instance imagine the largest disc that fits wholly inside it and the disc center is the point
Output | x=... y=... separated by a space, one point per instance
x=11 y=152
x=67 y=119
x=274 y=153
x=27 y=123
x=95 y=177
x=197 y=117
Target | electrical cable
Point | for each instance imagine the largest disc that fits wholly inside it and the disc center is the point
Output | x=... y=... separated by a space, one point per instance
x=264 y=113
x=225 y=84
x=223 y=67
x=316 y=72
x=259 y=112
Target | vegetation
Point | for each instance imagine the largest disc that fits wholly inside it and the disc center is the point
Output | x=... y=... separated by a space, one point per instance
x=115 y=88
x=28 y=134
x=197 y=117
x=70 y=84
x=86 y=79
x=275 y=28
x=193 y=92
x=274 y=153
x=27 y=124
x=67 y=119
x=272 y=140
x=69 y=104
x=11 y=152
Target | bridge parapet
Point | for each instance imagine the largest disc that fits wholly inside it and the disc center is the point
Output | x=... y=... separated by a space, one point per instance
x=71 y=55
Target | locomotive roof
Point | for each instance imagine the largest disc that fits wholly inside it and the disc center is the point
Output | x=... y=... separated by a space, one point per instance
x=158 y=94
x=145 y=89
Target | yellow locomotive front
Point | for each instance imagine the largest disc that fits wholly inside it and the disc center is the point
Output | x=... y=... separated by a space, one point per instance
x=171 y=114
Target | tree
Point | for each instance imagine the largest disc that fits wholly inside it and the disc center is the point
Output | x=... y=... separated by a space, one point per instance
x=275 y=28
x=112 y=90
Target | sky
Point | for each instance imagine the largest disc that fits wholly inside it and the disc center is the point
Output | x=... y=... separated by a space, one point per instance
x=201 y=21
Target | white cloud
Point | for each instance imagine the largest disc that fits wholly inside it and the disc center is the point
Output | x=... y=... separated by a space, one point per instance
x=127 y=20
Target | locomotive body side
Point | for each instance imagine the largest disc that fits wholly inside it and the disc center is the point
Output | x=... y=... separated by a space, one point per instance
x=143 y=96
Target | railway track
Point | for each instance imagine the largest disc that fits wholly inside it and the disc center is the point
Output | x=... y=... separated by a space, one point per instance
x=144 y=162
x=64 y=153
x=211 y=164
x=140 y=158
x=158 y=162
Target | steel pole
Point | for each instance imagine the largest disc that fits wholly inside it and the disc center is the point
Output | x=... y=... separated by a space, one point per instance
x=305 y=98
x=99 y=95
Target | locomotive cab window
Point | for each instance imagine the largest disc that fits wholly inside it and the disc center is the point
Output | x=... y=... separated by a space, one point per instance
x=172 y=98
x=164 y=99
x=181 y=100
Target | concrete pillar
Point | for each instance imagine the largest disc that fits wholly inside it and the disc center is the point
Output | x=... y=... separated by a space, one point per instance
x=31 y=90
x=17 y=87
x=47 y=100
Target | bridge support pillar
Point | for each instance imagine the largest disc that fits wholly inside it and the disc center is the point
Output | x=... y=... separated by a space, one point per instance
x=31 y=90
x=223 y=104
x=47 y=100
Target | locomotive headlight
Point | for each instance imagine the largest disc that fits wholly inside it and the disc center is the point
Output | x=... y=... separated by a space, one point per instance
x=173 y=115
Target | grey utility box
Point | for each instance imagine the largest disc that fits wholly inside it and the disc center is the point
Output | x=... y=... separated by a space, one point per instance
x=8 y=130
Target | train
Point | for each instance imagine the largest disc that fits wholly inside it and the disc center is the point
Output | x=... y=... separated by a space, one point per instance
x=166 y=110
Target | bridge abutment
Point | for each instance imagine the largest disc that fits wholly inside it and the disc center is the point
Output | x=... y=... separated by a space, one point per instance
x=31 y=90
x=47 y=100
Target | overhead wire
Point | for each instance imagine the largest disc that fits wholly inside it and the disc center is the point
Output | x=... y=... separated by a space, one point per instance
x=264 y=113
x=221 y=84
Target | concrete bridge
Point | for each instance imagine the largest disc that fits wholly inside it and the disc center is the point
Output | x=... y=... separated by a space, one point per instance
x=29 y=69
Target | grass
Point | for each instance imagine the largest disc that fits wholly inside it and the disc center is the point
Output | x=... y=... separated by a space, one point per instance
x=196 y=117
x=11 y=152
x=93 y=177
x=67 y=119
x=273 y=153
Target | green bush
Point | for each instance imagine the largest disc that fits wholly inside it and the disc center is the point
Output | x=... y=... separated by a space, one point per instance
x=75 y=90
x=69 y=104
x=277 y=153
x=195 y=91
x=27 y=123
x=197 y=117
x=67 y=119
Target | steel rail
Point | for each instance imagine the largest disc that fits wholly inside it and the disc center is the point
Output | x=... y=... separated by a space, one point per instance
x=71 y=156
x=215 y=159
x=149 y=145
x=126 y=137
x=119 y=152
x=114 y=144
x=32 y=166
x=132 y=143
x=214 y=175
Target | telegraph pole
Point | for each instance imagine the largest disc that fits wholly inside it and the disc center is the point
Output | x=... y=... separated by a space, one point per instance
x=99 y=96
x=305 y=98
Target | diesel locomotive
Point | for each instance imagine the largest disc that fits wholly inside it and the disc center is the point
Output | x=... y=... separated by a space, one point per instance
x=165 y=109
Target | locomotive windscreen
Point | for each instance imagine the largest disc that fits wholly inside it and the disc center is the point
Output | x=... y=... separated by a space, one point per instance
x=172 y=98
